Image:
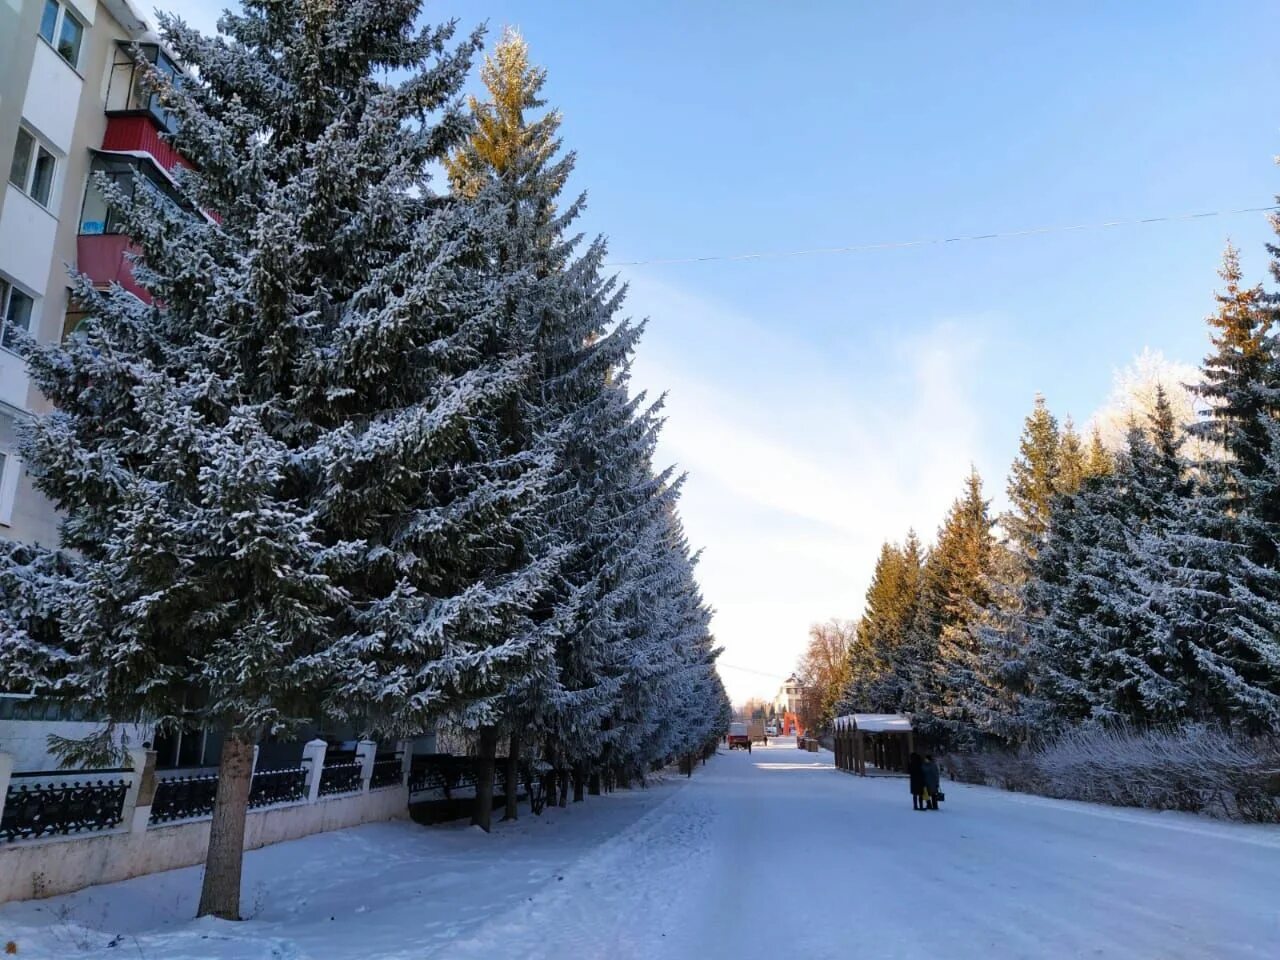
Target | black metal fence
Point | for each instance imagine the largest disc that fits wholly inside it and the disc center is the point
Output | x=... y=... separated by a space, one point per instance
x=441 y=771
x=287 y=785
x=341 y=777
x=92 y=801
x=186 y=797
x=387 y=772
x=183 y=797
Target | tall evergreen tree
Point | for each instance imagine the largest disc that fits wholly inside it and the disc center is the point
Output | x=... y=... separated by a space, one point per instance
x=892 y=601
x=998 y=633
x=1033 y=480
x=1093 y=641
x=1098 y=460
x=283 y=481
x=1072 y=461
x=955 y=590
x=607 y=506
x=1238 y=384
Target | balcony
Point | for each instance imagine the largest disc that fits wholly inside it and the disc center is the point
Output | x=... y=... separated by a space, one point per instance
x=102 y=247
x=103 y=257
x=136 y=120
x=138 y=134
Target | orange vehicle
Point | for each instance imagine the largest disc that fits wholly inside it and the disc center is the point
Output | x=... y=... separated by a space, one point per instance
x=739 y=738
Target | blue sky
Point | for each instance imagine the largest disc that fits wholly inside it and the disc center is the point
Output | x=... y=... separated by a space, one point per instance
x=822 y=404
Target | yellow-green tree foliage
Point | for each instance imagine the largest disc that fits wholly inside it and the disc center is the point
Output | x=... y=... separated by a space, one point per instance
x=505 y=143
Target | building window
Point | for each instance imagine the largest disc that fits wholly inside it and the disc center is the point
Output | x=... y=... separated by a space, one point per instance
x=63 y=30
x=8 y=486
x=75 y=317
x=33 y=168
x=15 y=313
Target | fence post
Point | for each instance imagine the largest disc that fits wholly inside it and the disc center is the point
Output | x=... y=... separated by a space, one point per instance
x=406 y=760
x=6 y=769
x=366 y=753
x=313 y=755
x=137 y=802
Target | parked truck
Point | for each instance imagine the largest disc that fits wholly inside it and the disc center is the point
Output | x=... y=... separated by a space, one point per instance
x=739 y=737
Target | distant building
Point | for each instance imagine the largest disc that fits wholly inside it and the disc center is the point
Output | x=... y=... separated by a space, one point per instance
x=790 y=697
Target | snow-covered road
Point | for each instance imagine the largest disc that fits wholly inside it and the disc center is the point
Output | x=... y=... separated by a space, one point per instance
x=762 y=855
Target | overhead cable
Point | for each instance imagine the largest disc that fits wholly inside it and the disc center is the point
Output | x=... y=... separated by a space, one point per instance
x=939 y=241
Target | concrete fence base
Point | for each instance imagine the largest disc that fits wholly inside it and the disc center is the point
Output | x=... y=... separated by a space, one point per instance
x=50 y=866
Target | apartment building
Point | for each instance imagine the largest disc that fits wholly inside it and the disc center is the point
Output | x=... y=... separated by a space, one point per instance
x=71 y=105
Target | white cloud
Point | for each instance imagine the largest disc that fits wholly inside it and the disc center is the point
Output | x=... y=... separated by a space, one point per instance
x=798 y=469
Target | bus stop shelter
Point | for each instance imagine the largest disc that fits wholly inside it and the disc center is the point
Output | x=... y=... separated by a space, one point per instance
x=883 y=740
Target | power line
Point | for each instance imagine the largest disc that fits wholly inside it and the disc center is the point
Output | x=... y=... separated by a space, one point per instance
x=940 y=241
x=762 y=673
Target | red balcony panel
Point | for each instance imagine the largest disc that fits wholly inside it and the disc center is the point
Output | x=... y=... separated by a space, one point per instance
x=139 y=133
x=103 y=258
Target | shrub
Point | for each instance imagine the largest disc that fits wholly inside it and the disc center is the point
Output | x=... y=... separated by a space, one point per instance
x=1197 y=769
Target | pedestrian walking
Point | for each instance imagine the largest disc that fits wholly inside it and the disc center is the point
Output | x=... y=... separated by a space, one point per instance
x=932 y=786
x=915 y=770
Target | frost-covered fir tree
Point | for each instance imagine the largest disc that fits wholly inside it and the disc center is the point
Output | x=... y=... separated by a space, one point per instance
x=1238 y=386
x=1095 y=641
x=283 y=478
x=1033 y=480
x=947 y=683
x=1098 y=461
x=999 y=629
x=605 y=498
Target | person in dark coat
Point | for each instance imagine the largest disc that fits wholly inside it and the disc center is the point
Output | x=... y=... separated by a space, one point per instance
x=932 y=785
x=915 y=769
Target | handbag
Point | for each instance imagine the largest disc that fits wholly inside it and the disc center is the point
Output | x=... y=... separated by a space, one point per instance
x=939 y=796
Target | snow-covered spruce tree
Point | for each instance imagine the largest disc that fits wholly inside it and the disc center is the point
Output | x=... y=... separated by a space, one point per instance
x=575 y=400
x=1239 y=388
x=1095 y=642
x=670 y=703
x=1239 y=501
x=605 y=492
x=1000 y=627
x=1098 y=461
x=282 y=478
x=947 y=690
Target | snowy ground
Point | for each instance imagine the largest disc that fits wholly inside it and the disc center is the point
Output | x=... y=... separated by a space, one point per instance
x=760 y=855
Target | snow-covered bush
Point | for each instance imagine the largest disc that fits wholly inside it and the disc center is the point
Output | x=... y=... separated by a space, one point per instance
x=1198 y=769
x=1194 y=768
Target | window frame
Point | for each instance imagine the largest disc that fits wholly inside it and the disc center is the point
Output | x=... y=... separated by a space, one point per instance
x=9 y=467
x=8 y=289
x=31 y=167
x=55 y=38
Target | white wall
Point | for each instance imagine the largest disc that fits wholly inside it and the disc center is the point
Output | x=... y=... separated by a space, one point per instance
x=27 y=740
x=53 y=96
x=27 y=235
x=46 y=868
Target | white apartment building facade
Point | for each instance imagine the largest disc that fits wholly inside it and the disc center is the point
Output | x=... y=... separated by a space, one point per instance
x=60 y=61
x=70 y=106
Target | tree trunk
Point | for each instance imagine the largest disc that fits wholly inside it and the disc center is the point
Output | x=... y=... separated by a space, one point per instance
x=579 y=783
x=482 y=816
x=220 y=891
x=564 y=786
x=512 y=811
x=593 y=784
